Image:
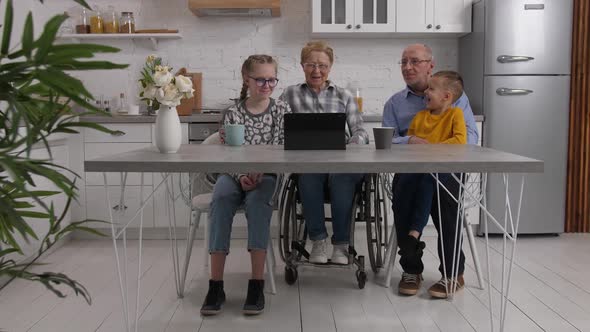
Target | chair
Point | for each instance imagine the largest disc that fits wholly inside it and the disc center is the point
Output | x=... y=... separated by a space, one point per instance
x=200 y=205
x=471 y=198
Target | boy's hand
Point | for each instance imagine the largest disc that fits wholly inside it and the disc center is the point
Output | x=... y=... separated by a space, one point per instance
x=417 y=140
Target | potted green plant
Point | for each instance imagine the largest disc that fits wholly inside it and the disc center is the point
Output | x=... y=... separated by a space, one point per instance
x=36 y=100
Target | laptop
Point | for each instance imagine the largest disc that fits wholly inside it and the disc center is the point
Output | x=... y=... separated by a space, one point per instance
x=315 y=131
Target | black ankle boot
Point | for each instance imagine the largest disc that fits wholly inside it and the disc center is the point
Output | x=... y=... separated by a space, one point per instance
x=255 y=299
x=411 y=252
x=214 y=299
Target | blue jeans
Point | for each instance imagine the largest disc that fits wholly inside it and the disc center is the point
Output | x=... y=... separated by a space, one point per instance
x=342 y=188
x=228 y=197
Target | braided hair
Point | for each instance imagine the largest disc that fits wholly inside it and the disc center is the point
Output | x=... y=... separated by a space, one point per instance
x=248 y=67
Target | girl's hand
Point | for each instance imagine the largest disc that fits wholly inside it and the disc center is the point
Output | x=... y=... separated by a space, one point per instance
x=247 y=183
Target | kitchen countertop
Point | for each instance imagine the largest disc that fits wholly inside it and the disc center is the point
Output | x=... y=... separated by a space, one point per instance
x=143 y=118
x=197 y=117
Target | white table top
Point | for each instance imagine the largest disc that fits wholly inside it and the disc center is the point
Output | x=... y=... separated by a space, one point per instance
x=355 y=159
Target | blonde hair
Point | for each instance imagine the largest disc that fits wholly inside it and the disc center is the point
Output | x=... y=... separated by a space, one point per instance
x=317 y=46
x=248 y=67
x=452 y=81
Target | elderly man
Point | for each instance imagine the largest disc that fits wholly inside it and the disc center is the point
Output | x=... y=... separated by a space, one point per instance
x=417 y=64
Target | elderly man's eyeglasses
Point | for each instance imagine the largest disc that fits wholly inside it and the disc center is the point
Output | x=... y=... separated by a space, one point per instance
x=272 y=82
x=412 y=62
x=313 y=66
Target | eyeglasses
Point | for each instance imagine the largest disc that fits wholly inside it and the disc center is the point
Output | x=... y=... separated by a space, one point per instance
x=272 y=82
x=313 y=66
x=412 y=62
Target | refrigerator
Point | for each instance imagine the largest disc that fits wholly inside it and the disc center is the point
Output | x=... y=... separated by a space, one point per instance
x=516 y=70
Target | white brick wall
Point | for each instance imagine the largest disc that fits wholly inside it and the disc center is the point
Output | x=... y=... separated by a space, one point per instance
x=217 y=47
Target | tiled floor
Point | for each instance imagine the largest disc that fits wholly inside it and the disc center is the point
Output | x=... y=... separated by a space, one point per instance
x=550 y=292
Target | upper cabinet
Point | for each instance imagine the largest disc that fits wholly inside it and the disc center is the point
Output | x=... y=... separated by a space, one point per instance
x=403 y=17
x=449 y=16
x=351 y=16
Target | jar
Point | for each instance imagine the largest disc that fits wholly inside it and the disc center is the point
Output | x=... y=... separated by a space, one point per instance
x=83 y=23
x=96 y=22
x=127 y=23
x=111 y=21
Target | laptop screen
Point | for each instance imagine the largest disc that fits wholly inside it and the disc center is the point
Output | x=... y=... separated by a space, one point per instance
x=315 y=131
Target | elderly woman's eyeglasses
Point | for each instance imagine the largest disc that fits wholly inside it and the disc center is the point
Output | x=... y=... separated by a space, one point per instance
x=412 y=62
x=313 y=66
x=272 y=82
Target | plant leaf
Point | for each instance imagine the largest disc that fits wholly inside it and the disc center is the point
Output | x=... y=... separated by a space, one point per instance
x=48 y=37
x=27 y=39
x=8 y=17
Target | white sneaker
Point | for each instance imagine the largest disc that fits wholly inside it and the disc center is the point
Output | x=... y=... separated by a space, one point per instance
x=318 y=252
x=340 y=254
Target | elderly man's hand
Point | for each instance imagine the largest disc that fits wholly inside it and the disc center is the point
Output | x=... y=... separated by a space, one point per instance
x=417 y=140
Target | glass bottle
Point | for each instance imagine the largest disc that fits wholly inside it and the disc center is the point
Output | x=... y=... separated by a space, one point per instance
x=83 y=24
x=66 y=27
x=127 y=23
x=111 y=21
x=122 y=103
x=96 y=21
x=359 y=99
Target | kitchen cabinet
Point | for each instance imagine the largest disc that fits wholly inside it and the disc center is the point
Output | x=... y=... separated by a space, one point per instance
x=353 y=16
x=433 y=16
x=137 y=135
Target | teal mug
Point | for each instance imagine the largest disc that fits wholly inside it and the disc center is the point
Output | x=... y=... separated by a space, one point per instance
x=234 y=134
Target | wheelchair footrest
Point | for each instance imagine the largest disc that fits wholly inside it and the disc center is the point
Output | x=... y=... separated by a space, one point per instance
x=300 y=249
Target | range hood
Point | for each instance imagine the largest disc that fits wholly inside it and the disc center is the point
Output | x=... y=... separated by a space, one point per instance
x=266 y=8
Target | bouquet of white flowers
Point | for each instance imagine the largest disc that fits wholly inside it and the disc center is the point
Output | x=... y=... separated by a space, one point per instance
x=159 y=86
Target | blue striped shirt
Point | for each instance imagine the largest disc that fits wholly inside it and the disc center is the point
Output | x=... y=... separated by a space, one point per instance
x=401 y=108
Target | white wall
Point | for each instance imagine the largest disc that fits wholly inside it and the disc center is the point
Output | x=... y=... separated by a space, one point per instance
x=217 y=47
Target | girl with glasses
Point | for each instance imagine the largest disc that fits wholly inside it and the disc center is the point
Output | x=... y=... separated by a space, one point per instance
x=262 y=117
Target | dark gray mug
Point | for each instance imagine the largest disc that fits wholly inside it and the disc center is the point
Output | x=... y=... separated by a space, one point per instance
x=383 y=137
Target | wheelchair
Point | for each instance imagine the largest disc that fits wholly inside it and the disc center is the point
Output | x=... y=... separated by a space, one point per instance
x=369 y=206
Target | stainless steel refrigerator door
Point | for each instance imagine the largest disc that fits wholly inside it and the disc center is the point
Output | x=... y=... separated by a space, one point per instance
x=528 y=115
x=530 y=37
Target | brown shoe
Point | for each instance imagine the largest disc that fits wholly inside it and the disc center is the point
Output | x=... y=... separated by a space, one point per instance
x=410 y=283
x=439 y=290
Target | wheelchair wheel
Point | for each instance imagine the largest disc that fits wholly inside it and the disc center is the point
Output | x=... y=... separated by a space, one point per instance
x=373 y=219
x=290 y=275
x=287 y=208
x=361 y=278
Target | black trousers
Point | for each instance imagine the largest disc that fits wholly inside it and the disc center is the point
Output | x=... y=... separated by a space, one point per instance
x=447 y=230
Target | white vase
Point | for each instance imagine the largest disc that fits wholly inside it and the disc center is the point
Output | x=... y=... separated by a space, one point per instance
x=168 y=132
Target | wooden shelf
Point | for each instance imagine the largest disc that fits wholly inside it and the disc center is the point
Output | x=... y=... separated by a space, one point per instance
x=153 y=37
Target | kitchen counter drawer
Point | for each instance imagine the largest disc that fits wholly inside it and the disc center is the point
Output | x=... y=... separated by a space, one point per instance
x=135 y=133
x=98 y=209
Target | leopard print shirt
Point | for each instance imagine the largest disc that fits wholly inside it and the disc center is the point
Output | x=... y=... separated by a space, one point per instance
x=263 y=128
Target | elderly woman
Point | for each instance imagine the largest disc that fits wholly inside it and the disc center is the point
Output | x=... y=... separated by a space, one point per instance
x=320 y=95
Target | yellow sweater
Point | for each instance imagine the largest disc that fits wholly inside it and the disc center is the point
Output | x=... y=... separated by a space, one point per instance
x=447 y=128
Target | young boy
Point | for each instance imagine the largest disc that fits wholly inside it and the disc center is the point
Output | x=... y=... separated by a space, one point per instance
x=415 y=194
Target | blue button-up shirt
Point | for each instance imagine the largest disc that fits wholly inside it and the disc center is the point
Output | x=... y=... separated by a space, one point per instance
x=401 y=108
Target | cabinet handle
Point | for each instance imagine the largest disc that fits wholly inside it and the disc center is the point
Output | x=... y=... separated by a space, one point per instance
x=117 y=133
x=119 y=208
x=513 y=92
x=438 y=27
x=358 y=26
x=349 y=26
x=429 y=26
